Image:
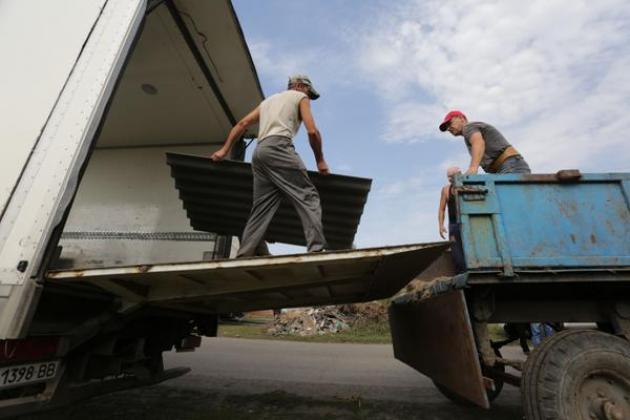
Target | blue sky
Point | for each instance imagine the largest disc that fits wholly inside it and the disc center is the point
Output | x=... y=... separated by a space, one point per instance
x=551 y=75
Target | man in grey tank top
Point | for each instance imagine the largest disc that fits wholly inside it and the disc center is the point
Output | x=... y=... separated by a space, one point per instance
x=278 y=170
x=486 y=145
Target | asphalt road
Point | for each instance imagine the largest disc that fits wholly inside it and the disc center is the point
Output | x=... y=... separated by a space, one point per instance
x=308 y=369
x=324 y=371
x=260 y=379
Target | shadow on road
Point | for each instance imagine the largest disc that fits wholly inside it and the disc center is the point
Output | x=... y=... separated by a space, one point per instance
x=163 y=402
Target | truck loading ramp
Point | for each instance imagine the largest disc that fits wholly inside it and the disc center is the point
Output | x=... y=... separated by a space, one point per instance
x=247 y=284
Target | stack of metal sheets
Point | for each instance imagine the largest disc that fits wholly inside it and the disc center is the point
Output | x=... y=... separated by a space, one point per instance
x=217 y=197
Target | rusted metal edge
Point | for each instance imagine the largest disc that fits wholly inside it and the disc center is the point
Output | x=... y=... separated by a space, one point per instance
x=437 y=287
x=252 y=262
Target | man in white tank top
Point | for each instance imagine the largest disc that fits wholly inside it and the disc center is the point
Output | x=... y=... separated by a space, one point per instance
x=278 y=170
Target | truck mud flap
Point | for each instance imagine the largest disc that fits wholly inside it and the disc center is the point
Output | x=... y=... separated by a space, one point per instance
x=435 y=337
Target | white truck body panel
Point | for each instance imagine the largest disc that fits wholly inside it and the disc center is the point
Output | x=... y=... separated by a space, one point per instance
x=50 y=176
x=34 y=71
x=127 y=210
x=125 y=214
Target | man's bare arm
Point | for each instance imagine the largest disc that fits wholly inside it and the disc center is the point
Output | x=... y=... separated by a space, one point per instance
x=236 y=133
x=478 y=147
x=442 y=210
x=314 y=137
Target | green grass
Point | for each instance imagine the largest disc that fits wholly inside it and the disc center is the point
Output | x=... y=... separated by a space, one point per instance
x=369 y=333
x=496 y=332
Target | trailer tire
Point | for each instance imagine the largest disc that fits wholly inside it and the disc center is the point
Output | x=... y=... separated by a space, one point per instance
x=579 y=375
x=531 y=371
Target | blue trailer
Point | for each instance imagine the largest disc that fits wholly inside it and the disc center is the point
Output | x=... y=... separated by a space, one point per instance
x=537 y=248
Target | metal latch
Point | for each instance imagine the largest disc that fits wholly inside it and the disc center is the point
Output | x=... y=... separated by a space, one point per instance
x=22 y=265
x=472 y=193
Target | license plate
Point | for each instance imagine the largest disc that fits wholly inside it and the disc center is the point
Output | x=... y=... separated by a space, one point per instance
x=11 y=376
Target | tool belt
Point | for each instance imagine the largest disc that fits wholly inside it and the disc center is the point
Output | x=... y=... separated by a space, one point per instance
x=507 y=153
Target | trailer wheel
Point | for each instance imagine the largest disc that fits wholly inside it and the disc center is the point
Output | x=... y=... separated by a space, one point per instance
x=531 y=370
x=492 y=393
x=578 y=375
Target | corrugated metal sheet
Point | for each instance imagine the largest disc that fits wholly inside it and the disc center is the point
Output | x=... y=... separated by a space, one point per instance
x=217 y=198
x=265 y=282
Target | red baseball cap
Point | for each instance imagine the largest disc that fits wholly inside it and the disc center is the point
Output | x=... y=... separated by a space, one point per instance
x=448 y=117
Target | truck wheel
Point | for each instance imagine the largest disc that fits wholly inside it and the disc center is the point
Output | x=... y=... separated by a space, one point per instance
x=578 y=375
x=492 y=393
x=531 y=370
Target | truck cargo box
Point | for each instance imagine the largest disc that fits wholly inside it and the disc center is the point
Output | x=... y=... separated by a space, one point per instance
x=545 y=222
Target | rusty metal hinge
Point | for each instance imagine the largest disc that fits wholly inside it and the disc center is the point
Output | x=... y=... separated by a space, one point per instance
x=472 y=193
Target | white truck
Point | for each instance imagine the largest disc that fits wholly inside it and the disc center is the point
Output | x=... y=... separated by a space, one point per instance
x=100 y=271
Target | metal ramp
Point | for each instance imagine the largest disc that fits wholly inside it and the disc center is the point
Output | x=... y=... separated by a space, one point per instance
x=240 y=285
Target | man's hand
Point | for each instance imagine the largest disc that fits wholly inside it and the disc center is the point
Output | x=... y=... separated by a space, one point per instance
x=219 y=155
x=472 y=170
x=322 y=167
x=443 y=232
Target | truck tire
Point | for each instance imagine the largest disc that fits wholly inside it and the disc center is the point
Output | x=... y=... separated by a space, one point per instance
x=531 y=370
x=492 y=394
x=578 y=375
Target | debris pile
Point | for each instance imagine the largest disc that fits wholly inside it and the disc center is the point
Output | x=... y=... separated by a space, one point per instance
x=327 y=319
x=309 y=321
x=366 y=313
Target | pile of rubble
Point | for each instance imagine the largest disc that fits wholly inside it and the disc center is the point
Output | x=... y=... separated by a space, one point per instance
x=326 y=319
x=309 y=321
x=366 y=313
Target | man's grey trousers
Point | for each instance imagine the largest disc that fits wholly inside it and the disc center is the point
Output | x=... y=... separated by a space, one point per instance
x=280 y=173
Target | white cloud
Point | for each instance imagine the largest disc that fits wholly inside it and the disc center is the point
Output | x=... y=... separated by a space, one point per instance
x=279 y=65
x=412 y=122
x=415 y=185
x=327 y=67
x=552 y=75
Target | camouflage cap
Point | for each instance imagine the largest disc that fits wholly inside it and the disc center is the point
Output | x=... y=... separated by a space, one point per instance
x=305 y=80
